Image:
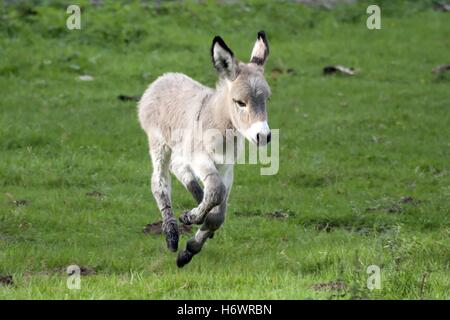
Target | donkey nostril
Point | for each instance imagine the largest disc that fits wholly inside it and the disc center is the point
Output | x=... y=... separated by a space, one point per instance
x=269 y=137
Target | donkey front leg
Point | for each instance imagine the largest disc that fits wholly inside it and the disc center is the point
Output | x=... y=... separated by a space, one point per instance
x=185 y=175
x=161 y=189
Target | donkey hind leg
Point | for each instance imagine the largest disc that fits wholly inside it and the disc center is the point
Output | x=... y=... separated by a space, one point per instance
x=214 y=219
x=161 y=189
x=185 y=175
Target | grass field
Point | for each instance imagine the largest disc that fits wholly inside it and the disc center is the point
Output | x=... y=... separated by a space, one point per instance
x=364 y=161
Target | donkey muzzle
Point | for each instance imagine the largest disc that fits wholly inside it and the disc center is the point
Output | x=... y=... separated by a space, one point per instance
x=262 y=140
x=259 y=133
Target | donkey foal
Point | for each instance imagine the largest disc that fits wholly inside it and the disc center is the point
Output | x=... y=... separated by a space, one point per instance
x=170 y=111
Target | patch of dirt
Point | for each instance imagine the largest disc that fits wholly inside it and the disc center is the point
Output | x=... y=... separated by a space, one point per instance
x=16 y=202
x=362 y=228
x=325 y=226
x=441 y=69
x=6 y=280
x=24 y=225
x=84 y=271
x=395 y=207
x=156 y=228
x=278 y=71
x=331 y=226
x=410 y=200
x=338 y=69
x=96 y=194
x=124 y=97
x=329 y=286
x=20 y=202
x=278 y=214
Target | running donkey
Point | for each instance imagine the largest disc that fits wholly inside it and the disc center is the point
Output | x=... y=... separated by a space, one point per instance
x=168 y=112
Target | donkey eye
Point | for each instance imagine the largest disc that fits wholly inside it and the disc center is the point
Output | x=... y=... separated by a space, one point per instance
x=240 y=103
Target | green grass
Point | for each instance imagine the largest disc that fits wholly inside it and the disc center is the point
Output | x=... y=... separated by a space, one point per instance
x=351 y=149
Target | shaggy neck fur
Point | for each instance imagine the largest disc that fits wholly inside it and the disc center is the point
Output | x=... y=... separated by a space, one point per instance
x=218 y=105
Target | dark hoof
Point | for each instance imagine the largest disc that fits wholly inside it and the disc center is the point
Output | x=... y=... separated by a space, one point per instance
x=184 y=218
x=184 y=257
x=211 y=235
x=172 y=236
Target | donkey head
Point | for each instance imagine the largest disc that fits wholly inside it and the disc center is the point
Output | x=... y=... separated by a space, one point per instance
x=247 y=91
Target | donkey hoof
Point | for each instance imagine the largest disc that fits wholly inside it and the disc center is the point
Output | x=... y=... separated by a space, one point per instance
x=172 y=236
x=184 y=218
x=184 y=257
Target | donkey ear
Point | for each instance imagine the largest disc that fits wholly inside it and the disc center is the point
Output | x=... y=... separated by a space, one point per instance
x=260 y=50
x=223 y=59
